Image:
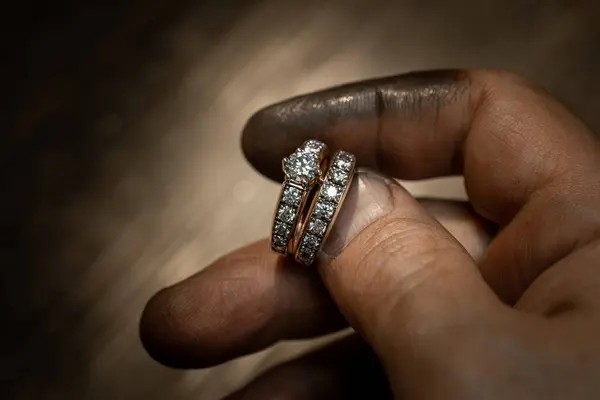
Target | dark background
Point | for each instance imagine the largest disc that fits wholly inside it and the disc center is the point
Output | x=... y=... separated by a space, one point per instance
x=120 y=161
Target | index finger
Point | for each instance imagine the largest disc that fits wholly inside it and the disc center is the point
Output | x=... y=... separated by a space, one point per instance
x=525 y=158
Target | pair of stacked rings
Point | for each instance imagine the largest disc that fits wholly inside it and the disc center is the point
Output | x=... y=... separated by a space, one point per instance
x=312 y=194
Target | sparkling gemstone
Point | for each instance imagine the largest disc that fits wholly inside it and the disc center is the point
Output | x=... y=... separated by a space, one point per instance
x=317 y=227
x=331 y=192
x=339 y=176
x=324 y=210
x=301 y=166
x=280 y=241
x=343 y=163
x=313 y=146
x=346 y=156
x=282 y=229
x=306 y=255
x=286 y=213
x=311 y=241
x=292 y=195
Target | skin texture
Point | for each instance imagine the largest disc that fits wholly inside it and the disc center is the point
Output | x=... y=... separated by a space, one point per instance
x=449 y=308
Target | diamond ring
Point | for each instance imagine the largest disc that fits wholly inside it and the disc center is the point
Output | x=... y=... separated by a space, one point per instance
x=313 y=231
x=303 y=172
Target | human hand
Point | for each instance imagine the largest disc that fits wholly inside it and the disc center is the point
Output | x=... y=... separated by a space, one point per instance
x=442 y=312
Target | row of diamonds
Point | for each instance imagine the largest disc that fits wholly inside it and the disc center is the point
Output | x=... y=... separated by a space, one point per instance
x=291 y=198
x=330 y=195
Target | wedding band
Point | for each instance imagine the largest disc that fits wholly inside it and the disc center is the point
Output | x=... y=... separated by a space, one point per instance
x=315 y=228
x=303 y=170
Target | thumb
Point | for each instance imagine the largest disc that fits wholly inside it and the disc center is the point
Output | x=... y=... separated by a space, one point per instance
x=402 y=280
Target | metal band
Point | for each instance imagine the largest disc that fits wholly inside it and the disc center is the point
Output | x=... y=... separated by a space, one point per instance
x=303 y=170
x=324 y=208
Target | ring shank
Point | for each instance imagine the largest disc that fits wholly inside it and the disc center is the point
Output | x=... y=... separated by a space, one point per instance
x=324 y=208
x=296 y=192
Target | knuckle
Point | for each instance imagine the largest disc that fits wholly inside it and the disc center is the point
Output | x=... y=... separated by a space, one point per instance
x=502 y=88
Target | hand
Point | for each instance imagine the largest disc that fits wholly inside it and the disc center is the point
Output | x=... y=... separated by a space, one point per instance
x=439 y=312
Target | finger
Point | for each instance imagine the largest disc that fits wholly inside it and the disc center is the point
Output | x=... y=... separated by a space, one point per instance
x=242 y=303
x=252 y=298
x=404 y=282
x=524 y=156
x=347 y=369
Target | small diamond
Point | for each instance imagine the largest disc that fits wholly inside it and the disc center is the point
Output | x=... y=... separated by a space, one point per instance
x=317 y=227
x=338 y=176
x=324 y=210
x=291 y=195
x=311 y=241
x=314 y=146
x=306 y=255
x=302 y=167
x=281 y=229
x=344 y=161
x=280 y=241
x=345 y=155
x=331 y=192
x=286 y=213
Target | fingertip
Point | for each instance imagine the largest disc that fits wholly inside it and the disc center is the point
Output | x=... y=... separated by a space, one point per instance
x=242 y=303
x=167 y=334
x=155 y=330
x=210 y=317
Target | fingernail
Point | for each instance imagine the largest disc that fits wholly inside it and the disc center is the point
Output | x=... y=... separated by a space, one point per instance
x=369 y=198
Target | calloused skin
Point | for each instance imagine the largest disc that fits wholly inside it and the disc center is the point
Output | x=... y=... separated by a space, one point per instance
x=443 y=307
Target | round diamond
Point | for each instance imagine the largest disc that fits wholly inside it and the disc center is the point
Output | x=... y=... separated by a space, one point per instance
x=286 y=213
x=307 y=255
x=280 y=241
x=324 y=210
x=282 y=230
x=343 y=163
x=311 y=241
x=292 y=195
x=301 y=167
x=331 y=192
x=339 y=176
x=317 y=227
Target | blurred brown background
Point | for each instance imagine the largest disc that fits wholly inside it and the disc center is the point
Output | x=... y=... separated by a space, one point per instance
x=117 y=114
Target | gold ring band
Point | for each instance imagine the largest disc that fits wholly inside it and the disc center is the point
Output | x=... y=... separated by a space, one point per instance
x=303 y=170
x=327 y=202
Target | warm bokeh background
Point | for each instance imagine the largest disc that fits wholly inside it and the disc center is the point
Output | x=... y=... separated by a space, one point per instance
x=120 y=159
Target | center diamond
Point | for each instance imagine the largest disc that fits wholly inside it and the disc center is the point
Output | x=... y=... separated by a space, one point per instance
x=301 y=167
